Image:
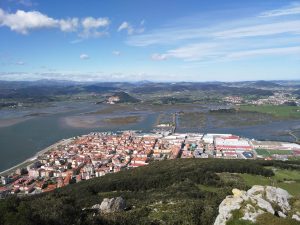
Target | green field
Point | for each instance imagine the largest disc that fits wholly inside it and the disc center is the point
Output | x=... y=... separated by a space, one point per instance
x=267 y=153
x=263 y=152
x=286 y=179
x=281 y=112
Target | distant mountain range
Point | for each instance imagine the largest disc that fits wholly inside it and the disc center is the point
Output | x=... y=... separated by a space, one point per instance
x=47 y=90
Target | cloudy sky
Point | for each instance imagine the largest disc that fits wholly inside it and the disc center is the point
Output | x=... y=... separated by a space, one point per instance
x=190 y=40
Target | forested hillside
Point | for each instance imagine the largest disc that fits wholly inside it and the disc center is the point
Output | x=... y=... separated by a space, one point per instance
x=182 y=191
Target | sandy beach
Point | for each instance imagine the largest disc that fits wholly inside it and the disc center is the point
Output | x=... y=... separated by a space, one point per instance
x=100 y=121
x=82 y=121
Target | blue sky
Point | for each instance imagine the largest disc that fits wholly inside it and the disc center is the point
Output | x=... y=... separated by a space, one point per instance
x=191 y=40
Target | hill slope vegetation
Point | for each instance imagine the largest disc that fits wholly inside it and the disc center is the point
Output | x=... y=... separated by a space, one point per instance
x=182 y=191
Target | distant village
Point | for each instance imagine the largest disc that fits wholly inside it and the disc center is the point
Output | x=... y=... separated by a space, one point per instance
x=279 y=98
x=98 y=154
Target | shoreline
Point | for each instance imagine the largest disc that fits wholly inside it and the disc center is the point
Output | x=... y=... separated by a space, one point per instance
x=49 y=148
x=36 y=155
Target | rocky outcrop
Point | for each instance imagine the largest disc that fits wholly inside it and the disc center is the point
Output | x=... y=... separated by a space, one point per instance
x=112 y=205
x=254 y=202
x=230 y=203
x=109 y=205
x=250 y=213
x=279 y=197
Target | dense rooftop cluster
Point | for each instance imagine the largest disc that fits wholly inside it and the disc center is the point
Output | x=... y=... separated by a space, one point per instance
x=97 y=154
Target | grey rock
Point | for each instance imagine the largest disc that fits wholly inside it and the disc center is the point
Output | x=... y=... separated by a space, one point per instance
x=250 y=213
x=256 y=191
x=112 y=205
x=229 y=204
x=256 y=201
x=265 y=205
x=278 y=196
x=296 y=217
x=281 y=214
x=97 y=206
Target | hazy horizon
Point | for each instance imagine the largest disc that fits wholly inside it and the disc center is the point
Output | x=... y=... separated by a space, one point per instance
x=147 y=81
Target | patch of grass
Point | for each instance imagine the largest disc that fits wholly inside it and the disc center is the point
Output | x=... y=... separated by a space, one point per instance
x=235 y=219
x=267 y=219
x=287 y=174
x=281 y=152
x=278 y=180
x=263 y=152
x=267 y=152
x=208 y=188
x=282 y=112
x=254 y=180
x=295 y=202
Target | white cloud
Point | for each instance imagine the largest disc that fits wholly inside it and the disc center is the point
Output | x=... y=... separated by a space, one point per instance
x=191 y=52
x=159 y=57
x=265 y=52
x=173 y=35
x=91 y=25
x=76 y=41
x=84 y=56
x=292 y=27
x=194 y=51
x=126 y=26
x=290 y=10
x=194 y=28
x=130 y=29
x=69 y=25
x=117 y=53
x=23 y=22
x=90 y=22
x=205 y=52
x=166 y=36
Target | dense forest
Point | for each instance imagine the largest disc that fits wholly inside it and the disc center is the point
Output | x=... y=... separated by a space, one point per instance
x=166 y=192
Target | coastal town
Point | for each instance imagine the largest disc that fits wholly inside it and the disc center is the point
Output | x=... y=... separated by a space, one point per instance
x=97 y=154
x=278 y=98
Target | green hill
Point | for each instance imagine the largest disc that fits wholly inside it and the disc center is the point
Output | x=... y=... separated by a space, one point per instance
x=182 y=191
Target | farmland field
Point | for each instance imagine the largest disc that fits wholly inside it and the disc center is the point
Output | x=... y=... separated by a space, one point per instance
x=286 y=179
x=267 y=152
x=281 y=112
